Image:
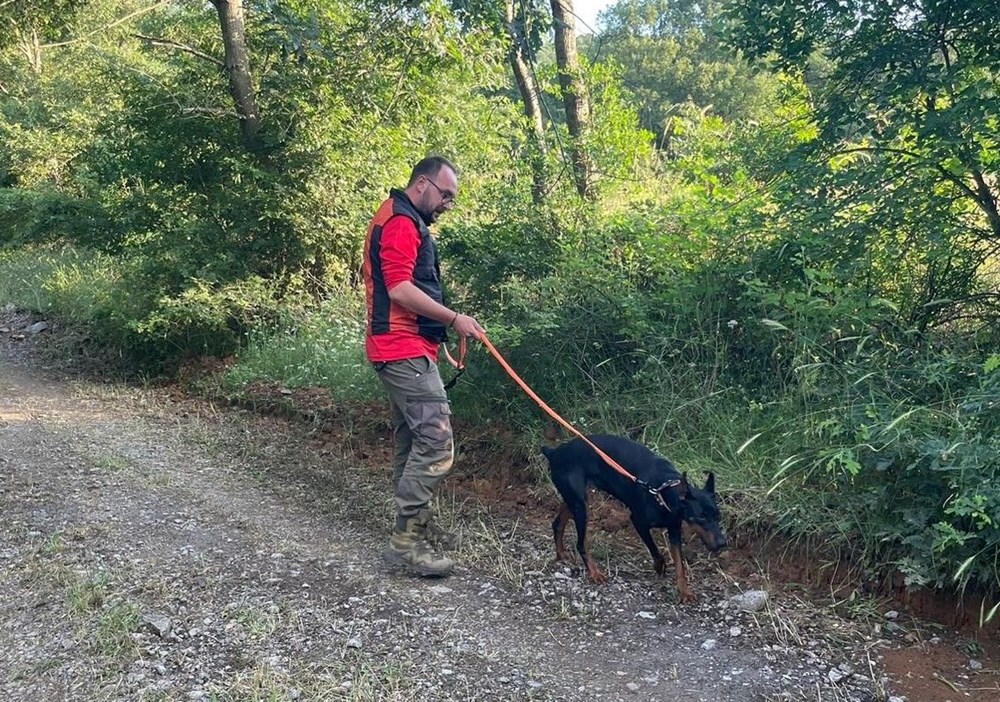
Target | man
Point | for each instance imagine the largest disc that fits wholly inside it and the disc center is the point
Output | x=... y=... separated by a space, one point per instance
x=407 y=320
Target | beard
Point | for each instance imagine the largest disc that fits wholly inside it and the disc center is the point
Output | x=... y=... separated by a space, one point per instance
x=429 y=215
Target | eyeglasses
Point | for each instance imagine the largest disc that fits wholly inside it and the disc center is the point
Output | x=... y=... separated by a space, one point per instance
x=446 y=195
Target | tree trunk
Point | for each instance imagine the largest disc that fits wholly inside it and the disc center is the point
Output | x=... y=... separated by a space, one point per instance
x=987 y=202
x=238 y=68
x=31 y=48
x=574 y=94
x=526 y=86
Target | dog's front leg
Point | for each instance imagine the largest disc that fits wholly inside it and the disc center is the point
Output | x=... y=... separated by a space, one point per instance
x=675 y=553
x=593 y=571
x=642 y=529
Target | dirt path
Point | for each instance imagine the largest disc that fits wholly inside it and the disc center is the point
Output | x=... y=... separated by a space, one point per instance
x=153 y=549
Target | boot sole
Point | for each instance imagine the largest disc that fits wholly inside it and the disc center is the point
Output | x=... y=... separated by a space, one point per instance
x=397 y=560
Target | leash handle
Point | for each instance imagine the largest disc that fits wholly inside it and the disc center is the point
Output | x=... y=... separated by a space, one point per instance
x=552 y=413
x=458 y=364
x=462 y=348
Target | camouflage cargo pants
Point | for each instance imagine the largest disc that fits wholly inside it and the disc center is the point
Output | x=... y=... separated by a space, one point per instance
x=421 y=421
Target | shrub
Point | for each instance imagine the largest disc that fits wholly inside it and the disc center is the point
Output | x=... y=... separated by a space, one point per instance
x=48 y=215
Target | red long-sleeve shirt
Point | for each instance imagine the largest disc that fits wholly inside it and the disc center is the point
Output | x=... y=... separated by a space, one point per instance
x=397 y=250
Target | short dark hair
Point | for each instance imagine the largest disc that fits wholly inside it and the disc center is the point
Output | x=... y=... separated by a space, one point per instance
x=430 y=167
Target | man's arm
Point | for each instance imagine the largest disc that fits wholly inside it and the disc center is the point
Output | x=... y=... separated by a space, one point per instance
x=399 y=252
x=417 y=301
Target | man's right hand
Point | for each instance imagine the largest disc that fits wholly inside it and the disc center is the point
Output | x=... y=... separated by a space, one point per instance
x=464 y=326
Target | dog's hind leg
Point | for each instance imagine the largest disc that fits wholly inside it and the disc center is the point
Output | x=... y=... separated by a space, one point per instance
x=579 y=511
x=641 y=528
x=559 y=533
x=675 y=553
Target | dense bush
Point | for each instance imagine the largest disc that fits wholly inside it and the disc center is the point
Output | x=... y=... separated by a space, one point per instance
x=860 y=425
x=48 y=215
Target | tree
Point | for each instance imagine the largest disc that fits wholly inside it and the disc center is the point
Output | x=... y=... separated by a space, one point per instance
x=238 y=68
x=27 y=23
x=517 y=25
x=517 y=18
x=671 y=54
x=914 y=80
x=904 y=96
x=574 y=95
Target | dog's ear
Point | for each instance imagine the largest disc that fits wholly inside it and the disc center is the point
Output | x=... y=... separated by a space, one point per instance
x=552 y=432
x=685 y=487
x=710 y=483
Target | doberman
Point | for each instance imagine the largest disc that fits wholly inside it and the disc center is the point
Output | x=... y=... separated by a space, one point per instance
x=575 y=466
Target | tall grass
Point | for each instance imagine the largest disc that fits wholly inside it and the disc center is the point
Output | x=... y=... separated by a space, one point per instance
x=323 y=347
x=77 y=284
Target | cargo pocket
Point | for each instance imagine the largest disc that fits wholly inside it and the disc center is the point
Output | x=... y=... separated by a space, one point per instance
x=429 y=419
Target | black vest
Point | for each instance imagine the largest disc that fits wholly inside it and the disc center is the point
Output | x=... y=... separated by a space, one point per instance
x=426 y=271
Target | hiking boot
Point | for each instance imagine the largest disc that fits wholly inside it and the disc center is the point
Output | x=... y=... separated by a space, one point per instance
x=435 y=534
x=408 y=549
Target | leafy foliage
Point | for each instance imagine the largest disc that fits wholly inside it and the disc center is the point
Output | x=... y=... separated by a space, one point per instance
x=26 y=21
x=671 y=55
x=905 y=101
x=152 y=169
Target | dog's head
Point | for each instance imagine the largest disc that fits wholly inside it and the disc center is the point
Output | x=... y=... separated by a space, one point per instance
x=698 y=508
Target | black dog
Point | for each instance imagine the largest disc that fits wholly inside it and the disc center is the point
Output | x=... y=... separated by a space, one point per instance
x=575 y=466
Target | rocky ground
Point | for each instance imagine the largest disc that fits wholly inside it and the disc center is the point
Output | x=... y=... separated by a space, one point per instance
x=160 y=547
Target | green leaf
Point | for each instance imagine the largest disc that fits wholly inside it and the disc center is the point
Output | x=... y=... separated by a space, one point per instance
x=747 y=443
x=992 y=363
x=962 y=568
x=777 y=326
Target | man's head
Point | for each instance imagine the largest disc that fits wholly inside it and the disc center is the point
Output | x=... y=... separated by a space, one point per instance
x=433 y=187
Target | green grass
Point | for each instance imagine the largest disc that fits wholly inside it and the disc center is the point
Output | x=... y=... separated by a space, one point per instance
x=353 y=679
x=77 y=285
x=323 y=349
x=54 y=545
x=259 y=623
x=112 y=632
x=104 y=619
x=113 y=463
x=86 y=596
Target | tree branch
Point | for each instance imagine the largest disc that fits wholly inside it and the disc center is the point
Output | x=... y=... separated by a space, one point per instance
x=213 y=111
x=987 y=201
x=170 y=44
x=911 y=154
